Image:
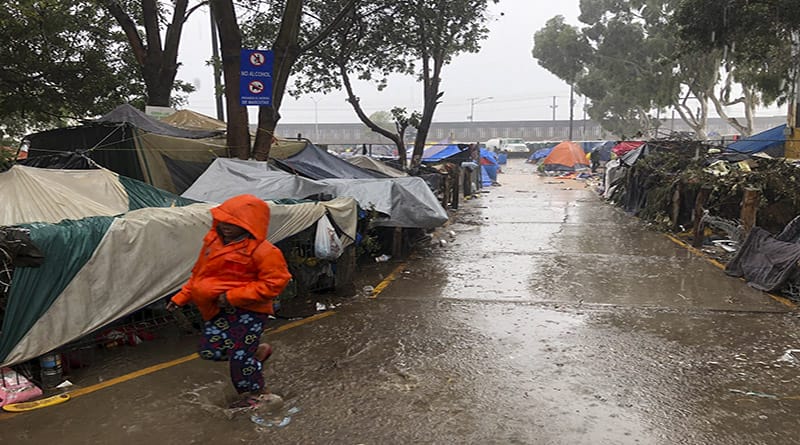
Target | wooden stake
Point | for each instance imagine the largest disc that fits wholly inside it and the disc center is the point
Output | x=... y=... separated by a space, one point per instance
x=699 y=205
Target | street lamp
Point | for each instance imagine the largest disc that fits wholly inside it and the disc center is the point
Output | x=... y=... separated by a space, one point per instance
x=472 y=102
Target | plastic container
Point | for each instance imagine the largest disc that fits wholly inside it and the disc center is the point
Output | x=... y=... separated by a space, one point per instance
x=51 y=372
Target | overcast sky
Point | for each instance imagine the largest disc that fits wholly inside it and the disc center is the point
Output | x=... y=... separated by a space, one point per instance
x=504 y=70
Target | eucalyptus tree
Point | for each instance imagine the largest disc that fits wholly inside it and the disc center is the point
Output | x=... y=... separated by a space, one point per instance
x=633 y=62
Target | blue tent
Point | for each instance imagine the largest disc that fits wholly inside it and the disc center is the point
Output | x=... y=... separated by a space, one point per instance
x=541 y=154
x=770 y=141
x=489 y=166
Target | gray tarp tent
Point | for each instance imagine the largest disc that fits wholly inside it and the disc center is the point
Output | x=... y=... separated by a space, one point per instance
x=402 y=202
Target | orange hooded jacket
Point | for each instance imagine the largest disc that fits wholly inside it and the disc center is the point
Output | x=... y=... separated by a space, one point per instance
x=251 y=271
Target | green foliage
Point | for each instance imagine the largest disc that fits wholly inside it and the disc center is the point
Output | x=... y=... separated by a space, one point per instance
x=7 y=159
x=629 y=59
x=753 y=36
x=61 y=61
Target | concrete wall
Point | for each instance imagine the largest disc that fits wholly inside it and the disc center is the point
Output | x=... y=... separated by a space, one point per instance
x=356 y=133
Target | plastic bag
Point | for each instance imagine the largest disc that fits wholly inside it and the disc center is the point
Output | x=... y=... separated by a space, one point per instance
x=15 y=388
x=327 y=244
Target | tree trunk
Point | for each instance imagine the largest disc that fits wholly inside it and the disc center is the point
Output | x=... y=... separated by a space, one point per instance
x=355 y=102
x=159 y=65
x=286 y=51
x=238 y=138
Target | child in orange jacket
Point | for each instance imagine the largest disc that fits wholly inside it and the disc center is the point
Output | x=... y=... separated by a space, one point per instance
x=234 y=282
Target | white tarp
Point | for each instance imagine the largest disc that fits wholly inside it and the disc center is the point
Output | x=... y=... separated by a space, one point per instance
x=29 y=194
x=145 y=255
x=403 y=202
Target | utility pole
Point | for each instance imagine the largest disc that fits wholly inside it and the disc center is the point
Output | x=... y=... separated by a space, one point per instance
x=583 y=133
x=571 y=108
x=316 y=120
x=217 y=71
x=472 y=102
x=554 y=106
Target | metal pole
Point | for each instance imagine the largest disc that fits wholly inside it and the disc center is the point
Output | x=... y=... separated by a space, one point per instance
x=554 y=106
x=571 y=108
x=316 y=120
x=217 y=71
x=472 y=110
x=584 y=118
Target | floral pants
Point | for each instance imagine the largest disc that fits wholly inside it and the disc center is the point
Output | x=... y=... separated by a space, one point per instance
x=234 y=335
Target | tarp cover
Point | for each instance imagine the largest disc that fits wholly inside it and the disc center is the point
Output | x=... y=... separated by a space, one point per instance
x=764 y=261
x=128 y=114
x=770 y=140
x=404 y=202
x=376 y=165
x=191 y=120
x=99 y=269
x=316 y=163
x=626 y=146
x=30 y=194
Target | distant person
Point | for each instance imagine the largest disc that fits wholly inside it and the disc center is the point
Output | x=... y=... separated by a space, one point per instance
x=234 y=282
x=594 y=157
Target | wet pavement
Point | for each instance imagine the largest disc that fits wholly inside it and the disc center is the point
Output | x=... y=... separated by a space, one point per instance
x=548 y=317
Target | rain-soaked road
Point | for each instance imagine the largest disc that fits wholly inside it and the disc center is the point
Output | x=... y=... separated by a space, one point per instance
x=550 y=318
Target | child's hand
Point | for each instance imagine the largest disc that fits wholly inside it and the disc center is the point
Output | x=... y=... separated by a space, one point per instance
x=222 y=300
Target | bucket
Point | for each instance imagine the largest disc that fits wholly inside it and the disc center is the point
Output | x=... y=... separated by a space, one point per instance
x=51 y=370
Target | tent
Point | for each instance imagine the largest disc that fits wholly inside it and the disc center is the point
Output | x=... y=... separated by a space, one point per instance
x=32 y=194
x=135 y=145
x=566 y=156
x=770 y=142
x=306 y=159
x=489 y=167
x=190 y=120
x=376 y=165
x=540 y=154
x=100 y=232
x=91 y=263
x=401 y=202
x=625 y=146
x=443 y=152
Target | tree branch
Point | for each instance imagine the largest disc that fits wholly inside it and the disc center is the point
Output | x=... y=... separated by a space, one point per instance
x=129 y=27
x=335 y=23
x=151 y=27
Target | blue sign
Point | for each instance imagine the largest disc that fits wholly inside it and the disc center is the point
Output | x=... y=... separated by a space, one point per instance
x=255 y=81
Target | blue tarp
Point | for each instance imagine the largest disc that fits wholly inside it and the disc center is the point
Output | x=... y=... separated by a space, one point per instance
x=439 y=152
x=488 y=156
x=541 y=153
x=773 y=138
x=485 y=179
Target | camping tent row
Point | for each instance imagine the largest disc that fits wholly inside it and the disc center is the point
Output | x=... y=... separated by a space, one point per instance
x=95 y=248
x=143 y=143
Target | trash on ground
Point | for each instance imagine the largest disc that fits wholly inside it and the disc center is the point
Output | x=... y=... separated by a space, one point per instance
x=15 y=388
x=791 y=356
x=755 y=394
x=383 y=258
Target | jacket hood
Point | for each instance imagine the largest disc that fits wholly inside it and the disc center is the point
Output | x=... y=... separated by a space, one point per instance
x=245 y=211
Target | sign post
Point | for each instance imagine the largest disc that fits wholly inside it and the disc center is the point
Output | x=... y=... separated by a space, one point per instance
x=255 y=77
